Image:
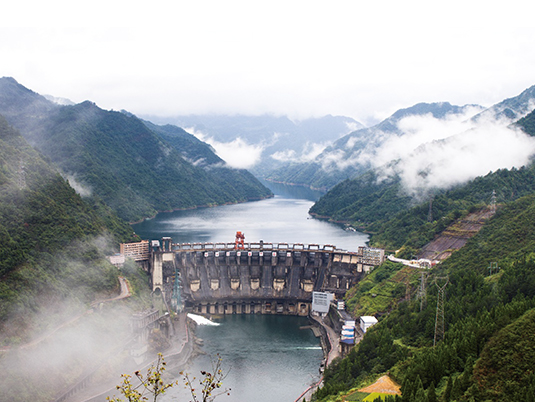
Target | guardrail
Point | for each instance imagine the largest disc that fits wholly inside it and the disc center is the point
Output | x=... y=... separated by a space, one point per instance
x=327 y=248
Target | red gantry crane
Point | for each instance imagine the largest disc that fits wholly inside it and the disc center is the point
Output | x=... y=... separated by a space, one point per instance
x=240 y=237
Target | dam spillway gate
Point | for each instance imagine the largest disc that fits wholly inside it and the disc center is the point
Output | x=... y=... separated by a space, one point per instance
x=257 y=278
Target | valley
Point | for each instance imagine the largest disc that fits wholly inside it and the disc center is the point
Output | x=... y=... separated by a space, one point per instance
x=450 y=184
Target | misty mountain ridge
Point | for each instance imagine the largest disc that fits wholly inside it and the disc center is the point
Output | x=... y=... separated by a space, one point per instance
x=382 y=200
x=403 y=135
x=354 y=153
x=119 y=158
x=275 y=140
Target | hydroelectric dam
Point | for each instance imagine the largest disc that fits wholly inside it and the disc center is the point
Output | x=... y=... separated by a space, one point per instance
x=249 y=278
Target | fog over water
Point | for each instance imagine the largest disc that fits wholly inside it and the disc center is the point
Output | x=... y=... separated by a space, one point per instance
x=269 y=358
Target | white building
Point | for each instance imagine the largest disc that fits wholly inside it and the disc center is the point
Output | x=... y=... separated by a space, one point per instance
x=367 y=321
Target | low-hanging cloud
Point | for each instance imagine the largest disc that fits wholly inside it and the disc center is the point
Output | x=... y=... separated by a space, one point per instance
x=434 y=153
x=428 y=152
x=236 y=153
x=309 y=152
x=81 y=188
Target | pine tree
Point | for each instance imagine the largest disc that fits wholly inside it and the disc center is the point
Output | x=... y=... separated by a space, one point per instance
x=419 y=396
x=407 y=390
x=431 y=393
x=446 y=397
x=456 y=391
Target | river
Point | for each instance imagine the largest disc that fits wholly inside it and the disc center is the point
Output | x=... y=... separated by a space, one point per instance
x=268 y=358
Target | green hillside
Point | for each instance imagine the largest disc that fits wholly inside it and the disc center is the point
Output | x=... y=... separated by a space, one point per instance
x=134 y=170
x=479 y=306
x=53 y=242
x=394 y=219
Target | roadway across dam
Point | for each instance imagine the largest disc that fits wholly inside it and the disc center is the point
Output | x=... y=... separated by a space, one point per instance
x=254 y=278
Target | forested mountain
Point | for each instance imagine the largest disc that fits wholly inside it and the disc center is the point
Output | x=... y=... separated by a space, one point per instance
x=486 y=353
x=385 y=208
x=53 y=242
x=119 y=158
x=352 y=154
x=280 y=139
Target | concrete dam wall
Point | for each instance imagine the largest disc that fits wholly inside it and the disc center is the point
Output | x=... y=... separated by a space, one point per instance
x=256 y=279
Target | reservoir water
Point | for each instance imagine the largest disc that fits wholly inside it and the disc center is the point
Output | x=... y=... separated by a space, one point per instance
x=268 y=358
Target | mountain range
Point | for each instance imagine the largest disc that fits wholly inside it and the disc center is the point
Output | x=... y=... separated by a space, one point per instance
x=277 y=139
x=137 y=168
x=365 y=148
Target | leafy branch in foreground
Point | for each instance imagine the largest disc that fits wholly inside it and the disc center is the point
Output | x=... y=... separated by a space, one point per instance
x=152 y=385
x=210 y=383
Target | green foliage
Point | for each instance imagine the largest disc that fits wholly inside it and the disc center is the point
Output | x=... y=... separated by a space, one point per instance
x=486 y=320
x=528 y=123
x=117 y=157
x=381 y=289
x=53 y=241
x=151 y=385
x=383 y=209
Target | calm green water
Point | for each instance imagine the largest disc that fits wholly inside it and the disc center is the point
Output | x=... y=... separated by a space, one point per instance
x=270 y=359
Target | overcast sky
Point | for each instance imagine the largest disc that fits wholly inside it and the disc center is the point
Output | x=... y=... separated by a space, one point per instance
x=363 y=59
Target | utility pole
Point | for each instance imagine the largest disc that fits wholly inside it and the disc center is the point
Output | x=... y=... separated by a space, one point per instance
x=439 y=319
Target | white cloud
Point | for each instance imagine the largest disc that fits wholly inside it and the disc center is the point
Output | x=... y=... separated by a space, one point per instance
x=365 y=59
x=309 y=152
x=237 y=153
x=81 y=188
x=446 y=160
x=288 y=155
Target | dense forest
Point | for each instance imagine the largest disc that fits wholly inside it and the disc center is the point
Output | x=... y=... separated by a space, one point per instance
x=489 y=317
x=394 y=218
x=136 y=168
x=486 y=352
x=53 y=242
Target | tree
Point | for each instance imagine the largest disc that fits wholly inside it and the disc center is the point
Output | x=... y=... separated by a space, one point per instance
x=152 y=386
x=431 y=393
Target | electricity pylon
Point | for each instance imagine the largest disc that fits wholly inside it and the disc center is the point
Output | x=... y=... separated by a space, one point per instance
x=422 y=292
x=493 y=201
x=439 y=319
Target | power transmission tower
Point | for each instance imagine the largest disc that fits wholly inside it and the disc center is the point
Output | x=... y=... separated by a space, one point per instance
x=422 y=292
x=439 y=319
x=21 y=175
x=493 y=266
x=493 y=202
